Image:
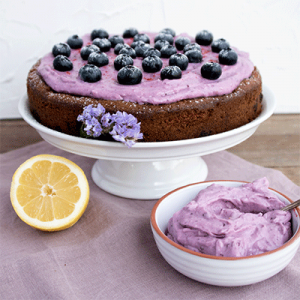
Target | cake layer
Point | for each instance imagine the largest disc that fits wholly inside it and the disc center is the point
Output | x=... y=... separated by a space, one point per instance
x=184 y=119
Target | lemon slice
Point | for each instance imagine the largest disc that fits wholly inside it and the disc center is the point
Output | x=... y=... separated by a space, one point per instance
x=49 y=192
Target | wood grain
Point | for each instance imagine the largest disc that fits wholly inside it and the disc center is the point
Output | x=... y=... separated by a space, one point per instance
x=275 y=144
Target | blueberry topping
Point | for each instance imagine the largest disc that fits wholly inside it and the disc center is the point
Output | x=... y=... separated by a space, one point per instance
x=130 y=33
x=152 y=64
x=99 y=33
x=116 y=39
x=141 y=37
x=122 y=60
x=181 y=42
x=141 y=49
x=103 y=44
x=90 y=73
x=62 y=63
x=164 y=37
x=129 y=75
x=191 y=47
x=179 y=60
x=152 y=51
x=75 y=42
x=129 y=51
x=228 y=57
x=167 y=51
x=61 y=49
x=87 y=50
x=204 y=38
x=169 y=31
x=170 y=72
x=137 y=43
x=160 y=43
x=194 y=56
x=119 y=46
x=98 y=59
x=219 y=45
x=211 y=70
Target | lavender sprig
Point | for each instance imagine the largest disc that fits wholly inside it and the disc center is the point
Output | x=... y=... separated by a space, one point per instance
x=121 y=126
x=126 y=128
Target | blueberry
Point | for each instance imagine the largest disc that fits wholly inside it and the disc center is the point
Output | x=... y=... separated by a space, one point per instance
x=116 y=39
x=228 y=57
x=99 y=33
x=87 y=50
x=98 y=59
x=181 y=41
x=167 y=51
x=90 y=73
x=122 y=60
x=141 y=48
x=219 y=45
x=103 y=44
x=119 y=46
x=141 y=37
x=164 y=37
x=152 y=51
x=169 y=31
x=179 y=60
x=137 y=43
x=194 y=56
x=128 y=51
x=75 y=42
x=61 y=49
x=191 y=47
x=211 y=70
x=130 y=32
x=204 y=38
x=160 y=43
x=152 y=64
x=129 y=75
x=170 y=72
x=62 y=63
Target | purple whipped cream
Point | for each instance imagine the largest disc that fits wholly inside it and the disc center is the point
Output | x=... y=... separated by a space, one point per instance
x=232 y=221
x=152 y=89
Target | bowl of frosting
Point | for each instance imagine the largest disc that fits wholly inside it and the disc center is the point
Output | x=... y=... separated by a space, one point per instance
x=226 y=233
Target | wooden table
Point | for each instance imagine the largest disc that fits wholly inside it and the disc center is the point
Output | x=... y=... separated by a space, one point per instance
x=275 y=144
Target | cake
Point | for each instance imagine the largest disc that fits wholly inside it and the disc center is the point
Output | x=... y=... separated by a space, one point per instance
x=169 y=108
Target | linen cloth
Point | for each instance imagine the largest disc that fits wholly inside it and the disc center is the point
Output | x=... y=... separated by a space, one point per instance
x=110 y=253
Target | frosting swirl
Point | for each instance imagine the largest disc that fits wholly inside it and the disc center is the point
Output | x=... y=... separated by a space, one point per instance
x=152 y=89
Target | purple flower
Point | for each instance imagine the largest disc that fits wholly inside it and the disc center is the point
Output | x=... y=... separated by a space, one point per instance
x=126 y=129
x=122 y=126
x=93 y=127
x=89 y=112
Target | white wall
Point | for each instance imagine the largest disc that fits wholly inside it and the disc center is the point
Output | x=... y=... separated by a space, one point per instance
x=268 y=29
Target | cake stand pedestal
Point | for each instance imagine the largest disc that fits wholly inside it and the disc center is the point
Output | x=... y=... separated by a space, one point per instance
x=147 y=180
x=149 y=170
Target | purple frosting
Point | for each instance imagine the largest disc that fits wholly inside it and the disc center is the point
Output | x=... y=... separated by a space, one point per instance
x=152 y=89
x=232 y=222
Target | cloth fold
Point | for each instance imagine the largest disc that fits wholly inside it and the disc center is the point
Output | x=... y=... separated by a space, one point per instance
x=110 y=252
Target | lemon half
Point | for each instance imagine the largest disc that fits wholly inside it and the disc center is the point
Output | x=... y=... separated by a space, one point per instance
x=49 y=192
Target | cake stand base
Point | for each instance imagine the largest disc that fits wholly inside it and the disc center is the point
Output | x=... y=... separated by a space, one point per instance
x=147 y=180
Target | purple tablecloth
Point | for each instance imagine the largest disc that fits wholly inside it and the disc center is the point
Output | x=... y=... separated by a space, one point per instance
x=110 y=252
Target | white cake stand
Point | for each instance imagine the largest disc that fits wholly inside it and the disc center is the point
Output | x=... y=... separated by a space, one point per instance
x=149 y=170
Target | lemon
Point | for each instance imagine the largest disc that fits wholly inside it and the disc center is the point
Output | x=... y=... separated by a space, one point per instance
x=49 y=192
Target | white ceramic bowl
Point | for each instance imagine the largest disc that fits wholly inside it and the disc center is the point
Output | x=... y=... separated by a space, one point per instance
x=220 y=271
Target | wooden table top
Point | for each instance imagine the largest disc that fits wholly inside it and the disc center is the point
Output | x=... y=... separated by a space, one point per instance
x=275 y=144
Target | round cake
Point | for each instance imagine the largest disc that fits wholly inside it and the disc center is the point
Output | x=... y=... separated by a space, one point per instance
x=176 y=86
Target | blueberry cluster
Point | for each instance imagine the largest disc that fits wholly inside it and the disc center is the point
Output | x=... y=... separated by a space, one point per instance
x=227 y=56
x=166 y=45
